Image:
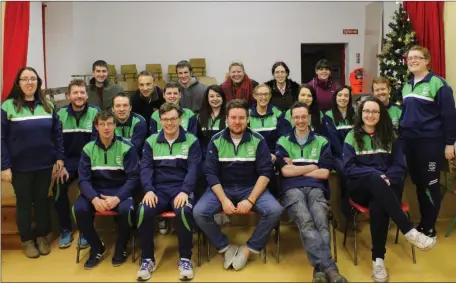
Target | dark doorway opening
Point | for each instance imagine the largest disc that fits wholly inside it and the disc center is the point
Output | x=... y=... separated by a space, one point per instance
x=312 y=53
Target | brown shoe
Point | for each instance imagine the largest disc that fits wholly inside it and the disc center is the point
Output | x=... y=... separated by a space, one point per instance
x=30 y=250
x=43 y=245
x=335 y=277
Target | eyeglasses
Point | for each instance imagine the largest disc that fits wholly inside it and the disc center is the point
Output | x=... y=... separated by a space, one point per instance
x=27 y=80
x=369 y=112
x=262 y=94
x=414 y=58
x=166 y=120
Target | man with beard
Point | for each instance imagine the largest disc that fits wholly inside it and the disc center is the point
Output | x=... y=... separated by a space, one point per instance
x=382 y=90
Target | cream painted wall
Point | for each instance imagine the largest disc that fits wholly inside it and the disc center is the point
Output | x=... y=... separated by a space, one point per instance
x=449 y=19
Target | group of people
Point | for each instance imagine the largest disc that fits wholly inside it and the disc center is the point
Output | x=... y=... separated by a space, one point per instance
x=201 y=150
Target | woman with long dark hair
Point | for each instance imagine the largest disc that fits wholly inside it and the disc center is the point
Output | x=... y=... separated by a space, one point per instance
x=375 y=168
x=307 y=95
x=428 y=127
x=32 y=143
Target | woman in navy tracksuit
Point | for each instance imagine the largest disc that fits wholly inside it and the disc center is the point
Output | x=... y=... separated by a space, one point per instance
x=32 y=143
x=375 y=169
x=428 y=128
x=340 y=120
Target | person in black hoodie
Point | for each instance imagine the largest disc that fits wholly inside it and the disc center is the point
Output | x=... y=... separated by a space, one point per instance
x=148 y=98
x=284 y=90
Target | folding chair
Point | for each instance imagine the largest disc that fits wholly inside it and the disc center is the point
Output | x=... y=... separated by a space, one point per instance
x=106 y=213
x=356 y=208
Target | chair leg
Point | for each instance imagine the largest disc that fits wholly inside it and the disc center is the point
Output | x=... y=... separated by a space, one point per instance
x=397 y=235
x=354 y=234
x=345 y=232
x=278 y=243
x=334 y=224
x=208 y=250
x=78 y=247
x=133 y=252
x=448 y=232
x=265 y=255
x=199 y=248
x=413 y=247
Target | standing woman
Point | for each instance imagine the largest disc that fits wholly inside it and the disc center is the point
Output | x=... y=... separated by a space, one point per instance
x=211 y=120
x=324 y=84
x=428 y=128
x=238 y=85
x=284 y=91
x=32 y=143
x=375 y=168
x=308 y=95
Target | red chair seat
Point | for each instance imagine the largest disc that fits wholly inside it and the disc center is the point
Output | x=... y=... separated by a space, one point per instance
x=168 y=214
x=362 y=209
x=105 y=213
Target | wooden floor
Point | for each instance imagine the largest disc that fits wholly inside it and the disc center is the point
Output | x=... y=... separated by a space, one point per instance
x=437 y=265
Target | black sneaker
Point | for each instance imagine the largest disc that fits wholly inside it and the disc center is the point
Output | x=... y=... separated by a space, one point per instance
x=430 y=233
x=95 y=257
x=119 y=258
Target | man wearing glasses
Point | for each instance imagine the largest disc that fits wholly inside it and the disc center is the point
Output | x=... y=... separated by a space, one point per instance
x=305 y=161
x=169 y=170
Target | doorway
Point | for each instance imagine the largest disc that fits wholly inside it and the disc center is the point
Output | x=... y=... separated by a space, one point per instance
x=311 y=53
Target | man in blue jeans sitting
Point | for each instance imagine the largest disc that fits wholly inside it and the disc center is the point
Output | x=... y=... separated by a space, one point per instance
x=305 y=161
x=238 y=170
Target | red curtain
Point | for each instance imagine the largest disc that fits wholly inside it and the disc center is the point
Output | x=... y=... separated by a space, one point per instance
x=15 y=41
x=427 y=22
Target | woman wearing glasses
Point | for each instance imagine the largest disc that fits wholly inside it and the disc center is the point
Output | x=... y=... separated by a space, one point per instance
x=428 y=128
x=375 y=168
x=284 y=91
x=32 y=143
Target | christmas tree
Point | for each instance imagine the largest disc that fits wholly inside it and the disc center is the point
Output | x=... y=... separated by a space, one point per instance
x=392 y=61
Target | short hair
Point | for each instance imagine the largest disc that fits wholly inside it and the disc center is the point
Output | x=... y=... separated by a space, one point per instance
x=280 y=63
x=121 y=94
x=76 y=82
x=380 y=80
x=103 y=115
x=299 y=104
x=99 y=63
x=323 y=64
x=146 y=74
x=236 y=63
x=172 y=85
x=237 y=103
x=166 y=107
x=260 y=86
x=184 y=64
x=424 y=50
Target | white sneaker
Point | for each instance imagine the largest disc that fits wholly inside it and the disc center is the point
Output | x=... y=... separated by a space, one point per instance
x=163 y=226
x=379 y=273
x=185 y=269
x=420 y=240
x=145 y=271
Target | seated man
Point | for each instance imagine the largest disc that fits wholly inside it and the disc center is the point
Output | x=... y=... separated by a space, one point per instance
x=169 y=170
x=77 y=128
x=130 y=126
x=238 y=170
x=108 y=174
x=305 y=160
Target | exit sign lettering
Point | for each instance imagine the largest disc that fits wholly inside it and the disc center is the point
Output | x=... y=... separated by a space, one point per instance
x=350 y=31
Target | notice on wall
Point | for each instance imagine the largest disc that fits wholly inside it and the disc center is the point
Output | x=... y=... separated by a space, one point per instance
x=350 y=31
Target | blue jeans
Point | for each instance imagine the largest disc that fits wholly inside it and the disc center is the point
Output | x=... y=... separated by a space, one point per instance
x=266 y=205
x=308 y=208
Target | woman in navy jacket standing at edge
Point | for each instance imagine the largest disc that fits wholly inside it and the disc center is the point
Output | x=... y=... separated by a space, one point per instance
x=32 y=142
x=427 y=126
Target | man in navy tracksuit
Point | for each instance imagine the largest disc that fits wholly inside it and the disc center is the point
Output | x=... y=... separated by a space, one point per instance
x=238 y=170
x=108 y=174
x=169 y=171
x=77 y=127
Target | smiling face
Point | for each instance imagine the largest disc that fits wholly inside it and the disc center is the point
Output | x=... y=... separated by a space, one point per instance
x=121 y=108
x=323 y=73
x=100 y=74
x=215 y=99
x=343 y=97
x=416 y=61
x=280 y=74
x=305 y=96
x=236 y=74
x=382 y=92
x=300 y=118
x=170 y=122
x=172 y=95
x=184 y=75
x=28 y=82
x=371 y=113
x=262 y=96
x=78 y=96
x=146 y=85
